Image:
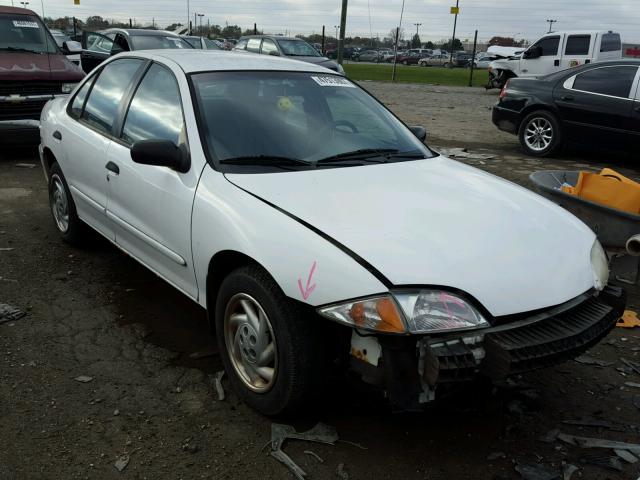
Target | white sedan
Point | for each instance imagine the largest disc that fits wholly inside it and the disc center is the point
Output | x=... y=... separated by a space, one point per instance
x=315 y=227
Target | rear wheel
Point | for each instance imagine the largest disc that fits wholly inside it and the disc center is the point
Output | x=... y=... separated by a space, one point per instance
x=63 y=208
x=540 y=134
x=268 y=347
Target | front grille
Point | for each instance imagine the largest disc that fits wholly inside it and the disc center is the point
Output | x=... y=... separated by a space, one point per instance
x=30 y=88
x=21 y=110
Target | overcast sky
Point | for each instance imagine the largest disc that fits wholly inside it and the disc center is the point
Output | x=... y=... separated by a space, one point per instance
x=518 y=18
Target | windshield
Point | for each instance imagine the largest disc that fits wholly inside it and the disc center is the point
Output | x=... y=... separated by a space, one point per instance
x=25 y=33
x=152 y=42
x=303 y=118
x=297 y=48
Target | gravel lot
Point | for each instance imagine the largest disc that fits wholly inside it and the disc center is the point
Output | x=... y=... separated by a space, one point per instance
x=94 y=312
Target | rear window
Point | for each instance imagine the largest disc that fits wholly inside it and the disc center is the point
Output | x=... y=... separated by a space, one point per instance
x=614 y=81
x=578 y=45
x=610 y=42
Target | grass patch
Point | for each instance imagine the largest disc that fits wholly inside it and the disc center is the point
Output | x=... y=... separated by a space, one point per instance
x=457 y=77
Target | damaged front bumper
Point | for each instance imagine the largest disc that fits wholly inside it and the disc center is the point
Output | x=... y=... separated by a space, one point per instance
x=413 y=369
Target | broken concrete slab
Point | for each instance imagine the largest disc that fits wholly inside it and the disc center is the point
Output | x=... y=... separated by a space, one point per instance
x=121 y=462
x=604 y=461
x=587 y=360
x=626 y=455
x=588 y=442
x=9 y=313
x=83 y=379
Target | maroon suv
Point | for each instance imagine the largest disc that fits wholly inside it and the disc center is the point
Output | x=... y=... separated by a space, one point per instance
x=33 y=69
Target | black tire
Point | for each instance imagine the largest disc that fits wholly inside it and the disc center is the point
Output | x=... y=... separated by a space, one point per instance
x=299 y=360
x=541 y=118
x=75 y=230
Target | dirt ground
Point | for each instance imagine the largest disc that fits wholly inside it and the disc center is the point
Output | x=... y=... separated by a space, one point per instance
x=95 y=312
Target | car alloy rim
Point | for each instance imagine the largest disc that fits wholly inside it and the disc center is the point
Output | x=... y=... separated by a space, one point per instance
x=59 y=204
x=250 y=343
x=538 y=134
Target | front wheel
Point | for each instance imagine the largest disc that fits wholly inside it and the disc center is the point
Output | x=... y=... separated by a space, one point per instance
x=269 y=349
x=63 y=208
x=540 y=134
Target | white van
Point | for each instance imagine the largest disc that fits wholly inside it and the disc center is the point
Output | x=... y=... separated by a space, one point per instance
x=554 y=52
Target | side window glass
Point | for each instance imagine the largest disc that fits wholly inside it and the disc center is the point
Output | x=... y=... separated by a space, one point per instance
x=614 y=81
x=549 y=46
x=99 y=43
x=610 y=42
x=268 y=46
x=78 y=101
x=155 y=111
x=578 y=45
x=120 y=44
x=102 y=105
x=253 y=45
x=241 y=45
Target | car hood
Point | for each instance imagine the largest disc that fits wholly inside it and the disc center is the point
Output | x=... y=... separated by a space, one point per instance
x=31 y=66
x=442 y=223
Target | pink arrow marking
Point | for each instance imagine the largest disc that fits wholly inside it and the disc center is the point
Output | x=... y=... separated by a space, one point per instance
x=306 y=292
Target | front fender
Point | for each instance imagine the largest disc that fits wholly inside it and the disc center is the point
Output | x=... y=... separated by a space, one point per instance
x=306 y=266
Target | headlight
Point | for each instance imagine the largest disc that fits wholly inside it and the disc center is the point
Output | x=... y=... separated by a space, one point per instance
x=599 y=266
x=430 y=311
x=421 y=312
x=68 y=87
x=340 y=69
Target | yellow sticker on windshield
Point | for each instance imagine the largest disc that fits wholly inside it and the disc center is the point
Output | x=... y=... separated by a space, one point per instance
x=285 y=104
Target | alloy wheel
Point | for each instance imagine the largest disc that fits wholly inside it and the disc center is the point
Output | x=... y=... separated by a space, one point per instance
x=539 y=134
x=250 y=343
x=59 y=204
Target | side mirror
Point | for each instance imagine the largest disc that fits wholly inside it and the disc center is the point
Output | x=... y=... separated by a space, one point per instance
x=162 y=153
x=71 y=48
x=419 y=132
x=533 y=52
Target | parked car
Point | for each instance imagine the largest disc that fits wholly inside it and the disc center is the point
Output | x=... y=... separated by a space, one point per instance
x=98 y=46
x=461 y=59
x=483 y=62
x=295 y=48
x=33 y=70
x=442 y=60
x=592 y=104
x=350 y=53
x=409 y=58
x=60 y=38
x=202 y=43
x=555 y=52
x=370 y=56
x=228 y=175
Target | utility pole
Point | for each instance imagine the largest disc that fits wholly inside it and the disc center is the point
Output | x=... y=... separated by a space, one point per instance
x=455 y=22
x=188 y=18
x=473 y=58
x=343 y=26
x=208 y=28
x=337 y=27
x=395 y=51
x=551 y=22
x=418 y=25
x=153 y=23
x=130 y=24
x=322 y=39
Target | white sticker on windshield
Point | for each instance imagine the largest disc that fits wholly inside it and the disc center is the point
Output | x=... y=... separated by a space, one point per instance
x=24 y=24
x=332 y=81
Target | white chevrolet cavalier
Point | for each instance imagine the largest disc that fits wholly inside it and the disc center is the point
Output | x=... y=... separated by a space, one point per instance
x=314 y=226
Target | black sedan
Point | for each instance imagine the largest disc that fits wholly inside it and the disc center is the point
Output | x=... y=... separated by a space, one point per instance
x=596 y=103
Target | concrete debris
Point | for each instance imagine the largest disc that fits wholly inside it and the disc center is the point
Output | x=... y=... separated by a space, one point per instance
x=314 y=455
x=635 y=366
x=25 y=165
x=632 y=384
x=611 y=463
x=280 y=433
x=536 y=472
x=357 y=445
x=587 y=442
x=463 y=153
x=121 y=462
x=9 y=313
x=626 y=455
x=587 y=360
x=341 y=473
x=83 y=379
x=217 y=381
x=568 y=470
x=495 y=456
x=7 y=249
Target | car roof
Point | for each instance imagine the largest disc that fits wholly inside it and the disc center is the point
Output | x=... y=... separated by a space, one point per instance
x=17 y=11
x=276 y=37
x=191 y=61
x=140 y=32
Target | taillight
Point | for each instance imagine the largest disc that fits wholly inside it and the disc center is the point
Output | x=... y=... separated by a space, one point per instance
x=503 y=92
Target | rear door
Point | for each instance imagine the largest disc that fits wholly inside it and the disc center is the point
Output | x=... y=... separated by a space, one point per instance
x=578 y=50
x=596 y=104
x=96 y=48
x=547 y=62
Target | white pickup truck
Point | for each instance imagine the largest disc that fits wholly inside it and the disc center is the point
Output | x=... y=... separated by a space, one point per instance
x=554 y=52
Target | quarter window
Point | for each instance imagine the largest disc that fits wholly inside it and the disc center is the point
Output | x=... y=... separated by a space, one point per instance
x=102 y=105
x=253 y=45
x=614 y=81
x=78 y=100
x=155 y=111
x=578 y=45
x=268 y=46
x=548 y=46
x=241 y=45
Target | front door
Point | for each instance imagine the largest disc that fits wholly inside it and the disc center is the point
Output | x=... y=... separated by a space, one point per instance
x=96 y=48
x=542 y=58
x=150 y=206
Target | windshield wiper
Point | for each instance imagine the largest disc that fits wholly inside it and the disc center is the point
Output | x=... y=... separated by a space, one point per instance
x=362 y=154
x=266 y=160
x=14 y=49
